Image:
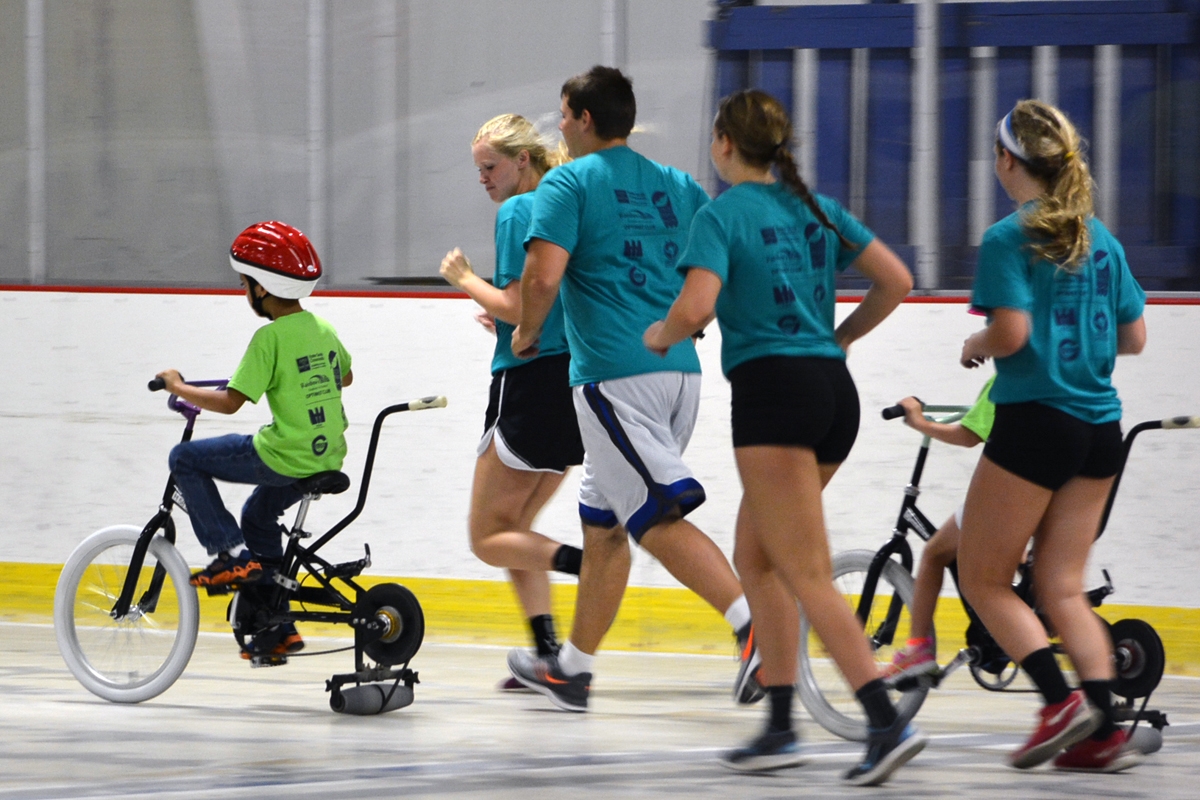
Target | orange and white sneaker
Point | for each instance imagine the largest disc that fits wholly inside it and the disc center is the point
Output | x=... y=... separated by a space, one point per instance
x=226 y=569
x=1059 y=726
x=1110 y=754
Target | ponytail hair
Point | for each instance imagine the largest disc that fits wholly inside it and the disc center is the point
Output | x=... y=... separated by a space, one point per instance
x=760 y=129
x=509 y=134
x=1043 y=139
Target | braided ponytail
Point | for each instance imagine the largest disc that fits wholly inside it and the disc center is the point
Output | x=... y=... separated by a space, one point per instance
x=759 y=127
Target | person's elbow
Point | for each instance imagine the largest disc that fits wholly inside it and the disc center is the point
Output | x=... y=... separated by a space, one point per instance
x=231 y=403
x=348 y=378
x=1131 y=337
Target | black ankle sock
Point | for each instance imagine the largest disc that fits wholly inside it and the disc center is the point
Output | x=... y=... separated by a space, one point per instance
x=1099 y=694
x=543 y=634
x=875 y=701
x=780 y=718
x=568 y=559
x=1044 y=672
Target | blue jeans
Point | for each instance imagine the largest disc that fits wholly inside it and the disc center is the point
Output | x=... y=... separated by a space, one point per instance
x=232 y=458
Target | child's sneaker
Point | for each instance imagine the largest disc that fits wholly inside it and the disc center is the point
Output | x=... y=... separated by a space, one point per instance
x=568 y=692
x=916 y=658
x=226 y=569
x=772 y=750
x=1111 y=754
x=888 y=749
x=1059 y=726
x=746 y=688
x=282 y=640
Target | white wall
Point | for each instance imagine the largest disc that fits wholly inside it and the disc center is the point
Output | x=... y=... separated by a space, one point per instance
x=86 y=444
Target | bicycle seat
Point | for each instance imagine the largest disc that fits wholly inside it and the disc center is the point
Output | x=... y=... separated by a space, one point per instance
x=332 y=482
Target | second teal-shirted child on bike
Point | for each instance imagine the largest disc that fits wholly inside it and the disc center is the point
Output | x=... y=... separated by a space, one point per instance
x=299 y=363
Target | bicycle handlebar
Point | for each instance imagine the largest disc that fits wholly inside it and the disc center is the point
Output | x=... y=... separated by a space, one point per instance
x=1181 y=422
x=156 y=384
x=892 y=412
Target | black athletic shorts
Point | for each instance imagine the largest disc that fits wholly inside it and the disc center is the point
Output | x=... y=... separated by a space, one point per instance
x=1049 y=447
x=795 y=401
x=531 y=408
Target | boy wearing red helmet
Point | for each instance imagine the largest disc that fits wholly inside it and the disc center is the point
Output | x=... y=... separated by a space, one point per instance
x=301 y=366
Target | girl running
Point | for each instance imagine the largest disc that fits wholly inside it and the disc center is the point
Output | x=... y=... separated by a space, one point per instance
x=530 y=434
x=1061 y=305
x=764 y=255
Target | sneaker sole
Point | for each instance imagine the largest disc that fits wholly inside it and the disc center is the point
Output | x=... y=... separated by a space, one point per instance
x=513 y=686
x=766 y=763
x=552 y=695
x=1080 y=728
x=1122 y=762
x=893 y=761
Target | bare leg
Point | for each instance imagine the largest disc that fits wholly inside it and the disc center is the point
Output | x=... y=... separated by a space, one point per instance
x=782 y=503
x=940 y=550
x=1061 y=548
x=504 y=503
x=776 y=617
x=1002 y=512
x=694 y=560
x=602 y=582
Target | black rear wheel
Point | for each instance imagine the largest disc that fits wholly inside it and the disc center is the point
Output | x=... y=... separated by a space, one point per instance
x=403 y=624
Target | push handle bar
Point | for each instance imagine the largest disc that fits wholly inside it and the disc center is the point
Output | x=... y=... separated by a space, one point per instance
x=1181 y=422
x=892 y=412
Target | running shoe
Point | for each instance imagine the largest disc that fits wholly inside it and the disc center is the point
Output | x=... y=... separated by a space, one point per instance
x=226 y=569
x=888 y=749
x=1114 y=753
x=1059 y=726
x=773 y=750
x=915 y=659
x=568 y=692
x=746 y=688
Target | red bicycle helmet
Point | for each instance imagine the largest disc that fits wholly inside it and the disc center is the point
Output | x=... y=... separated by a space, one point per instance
x=279 y=257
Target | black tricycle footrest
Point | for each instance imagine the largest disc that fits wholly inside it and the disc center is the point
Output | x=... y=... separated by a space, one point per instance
x=373 y=675
x=216 y=591
x=349 y=569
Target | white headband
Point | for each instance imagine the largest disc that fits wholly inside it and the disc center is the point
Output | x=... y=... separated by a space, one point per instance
x=1008 y=140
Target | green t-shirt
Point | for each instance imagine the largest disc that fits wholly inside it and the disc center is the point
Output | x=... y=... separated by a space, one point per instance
x=982 y=416
x=298 y=362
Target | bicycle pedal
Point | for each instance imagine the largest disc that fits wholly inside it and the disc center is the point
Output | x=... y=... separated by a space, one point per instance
x=222 y=589
x=349 y=569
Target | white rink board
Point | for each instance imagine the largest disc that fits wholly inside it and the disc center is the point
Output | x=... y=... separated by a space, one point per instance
x=86 y=443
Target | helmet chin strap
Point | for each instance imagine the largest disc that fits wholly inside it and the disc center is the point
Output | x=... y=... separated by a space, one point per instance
x=256 y=302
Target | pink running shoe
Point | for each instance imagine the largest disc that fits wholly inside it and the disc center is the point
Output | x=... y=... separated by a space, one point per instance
x=916 y=658
x=1059 y=726
x=1112 y=754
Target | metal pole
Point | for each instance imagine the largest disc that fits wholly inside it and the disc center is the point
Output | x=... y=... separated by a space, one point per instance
x=981 y=189
x=860 y=101
x=924 y=199
x=612 y=33
x=316 y=145
x=1106 y=138
x=35 y=145
x=1045 y=74
x=804 y=85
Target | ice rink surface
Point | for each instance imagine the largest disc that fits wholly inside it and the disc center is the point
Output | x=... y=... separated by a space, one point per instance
x=656 y=727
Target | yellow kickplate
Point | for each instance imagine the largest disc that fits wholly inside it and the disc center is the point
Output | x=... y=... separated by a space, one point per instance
x=650 y=620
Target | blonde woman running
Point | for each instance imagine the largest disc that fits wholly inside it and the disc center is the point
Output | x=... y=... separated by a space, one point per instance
x=764 y=257
x=530 y=434
x=1061 y=305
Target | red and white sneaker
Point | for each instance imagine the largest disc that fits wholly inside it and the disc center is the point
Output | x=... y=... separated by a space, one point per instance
x=1059 y=726
x=916 y=658
x=1111 y=754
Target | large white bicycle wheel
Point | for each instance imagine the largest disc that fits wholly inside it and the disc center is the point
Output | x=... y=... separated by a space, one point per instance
x=140 y=655
x=822 y=688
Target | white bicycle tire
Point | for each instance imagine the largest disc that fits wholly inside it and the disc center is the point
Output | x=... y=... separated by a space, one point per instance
x=842 y=715
x=106 y=656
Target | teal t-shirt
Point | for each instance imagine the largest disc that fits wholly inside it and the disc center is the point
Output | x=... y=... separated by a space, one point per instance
x=1068 y=361
x=512 y=222
x=777 y=264
x=297 y=361
x=624 y=219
